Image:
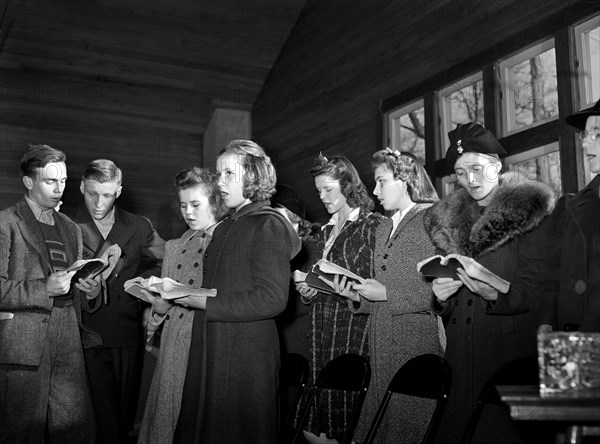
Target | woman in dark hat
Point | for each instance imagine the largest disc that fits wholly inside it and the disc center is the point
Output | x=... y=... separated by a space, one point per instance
x=568 y=291
x=493 y=219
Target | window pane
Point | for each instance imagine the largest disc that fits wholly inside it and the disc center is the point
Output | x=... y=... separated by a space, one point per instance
x=534 y=90
x=407 y=129
x=587 y=37
x=544 y=168
x=593 y=40
x=466 y=105
x=460 y=102
x=412 y=133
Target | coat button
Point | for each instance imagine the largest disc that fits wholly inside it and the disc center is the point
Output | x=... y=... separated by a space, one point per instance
x=200 y=250
x=456 y=301
x=383 y=267
x=118 y=297
x=204 y=271
x=454 y=320
x=168 y=317
x=203 y=235
x=191 y=281
x=580 y=287
x=178 y=266
x=469 y=301
x=196 y=265
x=183 y=252
x=468 y=320
x=385 y=256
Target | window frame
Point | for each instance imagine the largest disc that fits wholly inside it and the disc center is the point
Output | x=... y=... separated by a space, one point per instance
x=555 y=130
x=508 y=83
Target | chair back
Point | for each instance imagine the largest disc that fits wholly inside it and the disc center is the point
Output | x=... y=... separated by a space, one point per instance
x=521 y=371
x=425 y=376
x=294 y=377
x=349 y=372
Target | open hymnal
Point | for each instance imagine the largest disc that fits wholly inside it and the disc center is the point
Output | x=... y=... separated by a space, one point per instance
x=321 y=275
x=167 y=288
x=446 y=266
x=87 y=268
x=90 y=268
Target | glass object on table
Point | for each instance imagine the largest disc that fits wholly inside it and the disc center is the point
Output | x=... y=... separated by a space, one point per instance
x=569 y=363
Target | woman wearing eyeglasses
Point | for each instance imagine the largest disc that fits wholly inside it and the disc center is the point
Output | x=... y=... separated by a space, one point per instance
x=568 y=292
x=496 y=219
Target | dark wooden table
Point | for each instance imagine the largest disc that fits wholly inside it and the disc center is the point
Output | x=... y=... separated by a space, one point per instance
x=526 y=404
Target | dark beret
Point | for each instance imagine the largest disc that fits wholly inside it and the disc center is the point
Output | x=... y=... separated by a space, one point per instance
x=470 y=138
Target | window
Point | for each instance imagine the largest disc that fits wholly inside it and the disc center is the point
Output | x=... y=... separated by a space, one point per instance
x=460 y=102
x=529 y=91
x=587 y=42
x=541 y=164
x=407 y=129
x=521 y=104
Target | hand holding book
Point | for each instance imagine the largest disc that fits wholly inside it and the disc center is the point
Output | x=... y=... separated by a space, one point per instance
x=439 y=267
x=152 y=287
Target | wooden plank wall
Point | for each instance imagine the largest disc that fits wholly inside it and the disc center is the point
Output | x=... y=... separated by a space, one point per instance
x=132 y=81
x=344 y=57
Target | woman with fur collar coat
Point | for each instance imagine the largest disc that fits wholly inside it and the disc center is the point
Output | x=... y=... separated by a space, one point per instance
x=493 y=219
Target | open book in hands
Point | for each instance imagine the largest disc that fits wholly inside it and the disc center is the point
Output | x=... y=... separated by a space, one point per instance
x=321 y=275
x=167 y=288
x=90 y=268
x=440 y=266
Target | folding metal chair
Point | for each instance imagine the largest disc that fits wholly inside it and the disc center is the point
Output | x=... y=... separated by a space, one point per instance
x=425 y=376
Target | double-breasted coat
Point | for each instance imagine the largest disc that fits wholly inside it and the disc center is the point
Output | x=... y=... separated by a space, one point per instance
x=182 y=263
x=506 y=238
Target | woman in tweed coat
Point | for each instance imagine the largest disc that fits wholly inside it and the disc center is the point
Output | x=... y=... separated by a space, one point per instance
x=402 y=324
x=201 y=206
x=347 y=240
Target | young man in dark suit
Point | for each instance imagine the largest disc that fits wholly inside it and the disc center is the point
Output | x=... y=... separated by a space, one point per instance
x=43 y=390
x=114 y=368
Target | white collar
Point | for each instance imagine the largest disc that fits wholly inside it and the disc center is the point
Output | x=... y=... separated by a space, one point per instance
x=399 y=215
x=352 y=216
x=45 y=215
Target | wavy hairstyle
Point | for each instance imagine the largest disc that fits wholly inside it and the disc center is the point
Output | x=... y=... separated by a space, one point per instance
x=207 y=181
x=407 y=168
x=38 y=156
x=102 y=171
x=341 y=169
x=259 y=176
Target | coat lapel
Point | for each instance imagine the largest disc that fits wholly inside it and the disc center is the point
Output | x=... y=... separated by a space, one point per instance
x=31 y=232
x=585 y=207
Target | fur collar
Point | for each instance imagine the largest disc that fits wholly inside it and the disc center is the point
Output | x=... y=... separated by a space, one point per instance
x=457 y=225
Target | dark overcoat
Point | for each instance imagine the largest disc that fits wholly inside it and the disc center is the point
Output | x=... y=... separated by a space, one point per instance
x=230 y=392
x=568 y=290
x=482 y=335
x=119 y=321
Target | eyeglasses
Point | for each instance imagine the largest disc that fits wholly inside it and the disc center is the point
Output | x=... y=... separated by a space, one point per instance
x=593 y=134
